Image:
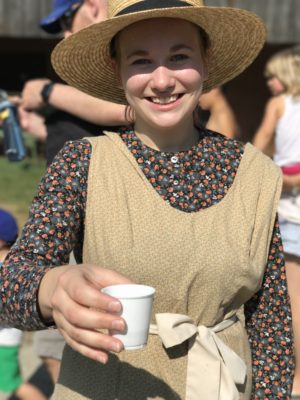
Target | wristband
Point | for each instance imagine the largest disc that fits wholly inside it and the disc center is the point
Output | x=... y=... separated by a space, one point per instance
x=46 y=91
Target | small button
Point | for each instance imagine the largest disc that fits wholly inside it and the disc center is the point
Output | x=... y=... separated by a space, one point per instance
x=174 y=159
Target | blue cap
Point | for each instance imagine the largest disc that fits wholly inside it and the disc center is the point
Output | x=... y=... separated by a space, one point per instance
x=8 y=227
x=50 y=23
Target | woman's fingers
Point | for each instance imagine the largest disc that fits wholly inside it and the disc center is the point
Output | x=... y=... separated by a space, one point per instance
x=84 y=316
x=84 y=283
x=102 y=277
x=79 y=288
x=90 y=352
x=17 y=100
x=89 y=296
x=106 y=277
x=88 y=342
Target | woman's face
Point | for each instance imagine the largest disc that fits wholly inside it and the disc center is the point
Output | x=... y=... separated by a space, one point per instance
x=275 y=85
x=161 y=68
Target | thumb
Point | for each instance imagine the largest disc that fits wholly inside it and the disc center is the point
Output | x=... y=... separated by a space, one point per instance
x=102 y=277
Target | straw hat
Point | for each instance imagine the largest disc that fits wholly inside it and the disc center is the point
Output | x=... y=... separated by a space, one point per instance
x=235 y=38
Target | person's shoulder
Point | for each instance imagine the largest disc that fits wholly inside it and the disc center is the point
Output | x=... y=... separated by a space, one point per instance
x=210 y=99
x=73 y=151
x=276 y=104
x=77 y=145
x=261 y=163
x=223 y=142
x=106 y=133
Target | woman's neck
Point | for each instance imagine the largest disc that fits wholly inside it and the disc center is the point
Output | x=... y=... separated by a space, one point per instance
x=172 y=140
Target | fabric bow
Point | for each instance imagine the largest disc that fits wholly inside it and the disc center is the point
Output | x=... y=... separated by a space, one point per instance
x=213 y=369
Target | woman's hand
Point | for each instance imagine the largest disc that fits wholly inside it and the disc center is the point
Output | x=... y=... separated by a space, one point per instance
x=71 y=296
x=33 y=123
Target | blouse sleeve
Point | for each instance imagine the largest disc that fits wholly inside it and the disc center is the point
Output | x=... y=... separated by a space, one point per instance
x=52 y=231
x=268 y=322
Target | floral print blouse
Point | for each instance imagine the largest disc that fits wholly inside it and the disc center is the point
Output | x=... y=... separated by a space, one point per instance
x=190 y=180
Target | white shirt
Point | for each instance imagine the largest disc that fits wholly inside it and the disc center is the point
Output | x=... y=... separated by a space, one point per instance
x=10 y=337
x=287 y=138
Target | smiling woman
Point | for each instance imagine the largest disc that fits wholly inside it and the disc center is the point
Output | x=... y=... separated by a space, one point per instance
x=162 y=69
x=159 y=203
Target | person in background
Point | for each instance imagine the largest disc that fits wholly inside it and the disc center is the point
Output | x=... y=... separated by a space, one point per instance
x=71 y=111
x=221 y=117
x=160 y=202
x=281 y=124
x=67 y=17
x=11 y=381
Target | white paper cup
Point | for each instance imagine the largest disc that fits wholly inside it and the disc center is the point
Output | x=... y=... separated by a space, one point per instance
x=136 y=303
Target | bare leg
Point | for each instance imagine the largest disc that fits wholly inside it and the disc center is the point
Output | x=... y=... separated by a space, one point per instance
x=293 y=280
x=27 y=391
x=52 y=366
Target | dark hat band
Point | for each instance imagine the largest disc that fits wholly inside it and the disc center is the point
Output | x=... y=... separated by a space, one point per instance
x=152 y=4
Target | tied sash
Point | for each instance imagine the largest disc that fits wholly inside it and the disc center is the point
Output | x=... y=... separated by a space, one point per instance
x=213 y=369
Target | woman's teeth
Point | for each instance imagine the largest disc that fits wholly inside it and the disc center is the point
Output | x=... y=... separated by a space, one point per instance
x=164 y=100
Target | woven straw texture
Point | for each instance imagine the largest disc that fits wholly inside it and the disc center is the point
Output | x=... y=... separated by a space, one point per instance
x=236 y=36
x=192 y=259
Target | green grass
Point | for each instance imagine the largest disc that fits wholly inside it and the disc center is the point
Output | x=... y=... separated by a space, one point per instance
x=18 y=184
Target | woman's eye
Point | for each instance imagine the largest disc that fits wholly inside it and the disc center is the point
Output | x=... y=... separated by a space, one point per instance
x=141 y=61
x=179 y=57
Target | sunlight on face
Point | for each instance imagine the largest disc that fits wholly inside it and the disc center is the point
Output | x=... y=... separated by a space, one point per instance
x=161 y=67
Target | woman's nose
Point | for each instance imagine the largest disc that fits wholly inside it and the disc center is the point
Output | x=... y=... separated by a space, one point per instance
x=162 y=79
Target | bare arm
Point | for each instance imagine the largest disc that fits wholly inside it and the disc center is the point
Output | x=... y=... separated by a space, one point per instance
x=265 y=133
x=90 y=108
x=73 y=101
x=222 y=118
x=291 y=181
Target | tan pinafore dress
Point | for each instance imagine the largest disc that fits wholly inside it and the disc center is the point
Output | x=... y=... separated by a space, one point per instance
x=204 y=265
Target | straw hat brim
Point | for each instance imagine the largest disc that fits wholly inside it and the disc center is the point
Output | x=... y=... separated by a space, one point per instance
x=236 y=36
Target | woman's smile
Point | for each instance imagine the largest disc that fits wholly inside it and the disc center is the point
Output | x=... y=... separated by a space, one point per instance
x=165 y=100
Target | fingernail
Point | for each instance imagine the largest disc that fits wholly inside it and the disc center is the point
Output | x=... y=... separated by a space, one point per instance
x=114 y=306
x=118 y=325
x=116 y=347
x=101 y=359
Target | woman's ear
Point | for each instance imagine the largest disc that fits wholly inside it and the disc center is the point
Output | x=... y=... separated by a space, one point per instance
x=115 y=67
x=67 y=34
x=93 y=7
